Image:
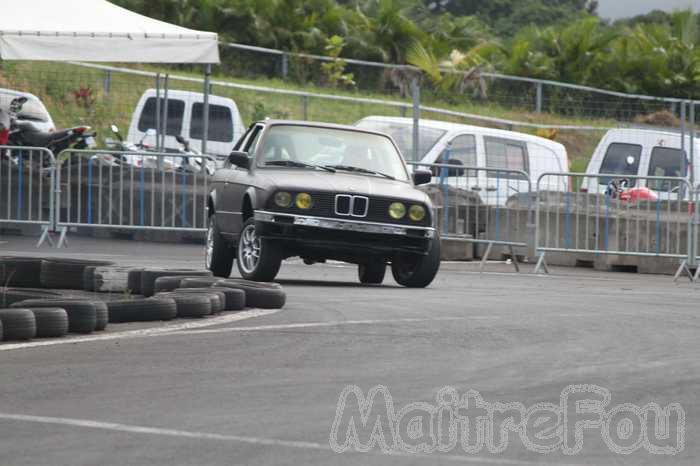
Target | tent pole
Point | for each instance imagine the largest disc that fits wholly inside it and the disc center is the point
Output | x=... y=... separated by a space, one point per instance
x=205 y=126
x=157 y=128
x=165 y=118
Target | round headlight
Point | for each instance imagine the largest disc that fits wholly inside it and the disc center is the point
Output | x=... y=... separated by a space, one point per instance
x=397 y=210
x=304 y=201
x=283 y=199
x=416 y=213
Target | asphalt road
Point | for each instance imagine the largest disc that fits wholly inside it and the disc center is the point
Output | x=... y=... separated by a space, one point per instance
x=264 y=389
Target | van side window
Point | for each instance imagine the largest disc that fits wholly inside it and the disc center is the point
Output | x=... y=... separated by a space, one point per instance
x=621 y=159
x=176 y=111
x=669 y=163
x=220 y=123
x=507 y=154
x=463 y=149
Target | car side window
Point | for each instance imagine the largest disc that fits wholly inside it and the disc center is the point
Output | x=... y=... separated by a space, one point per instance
x=667 y=162
x=464 y=149
x=252 y=141
x=507 y=154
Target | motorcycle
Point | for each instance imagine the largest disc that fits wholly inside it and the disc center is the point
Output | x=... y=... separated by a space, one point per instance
x=25 y=133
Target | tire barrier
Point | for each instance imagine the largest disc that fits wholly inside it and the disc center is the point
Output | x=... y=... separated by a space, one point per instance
x=149 y=276
x=29 y=312
x=142 y=310
x=189 y=305
x=82 y=314
x=51 y=322
x=23 y=272
x=18 y=324
x=67 y=274
x=10 y=296
x=107 y=279
x=259 y=295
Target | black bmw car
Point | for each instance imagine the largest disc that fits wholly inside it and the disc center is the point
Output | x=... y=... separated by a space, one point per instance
x=320 y=191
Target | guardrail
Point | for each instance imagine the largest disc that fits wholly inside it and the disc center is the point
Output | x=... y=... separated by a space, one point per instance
x=490 y=206
x=133 y=190
x=27 y=188
x=631 y=216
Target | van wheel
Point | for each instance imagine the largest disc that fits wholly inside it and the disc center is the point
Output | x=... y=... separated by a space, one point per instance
x=218 y=255
x=372 y=273
x=257 y=259
x=414 y=271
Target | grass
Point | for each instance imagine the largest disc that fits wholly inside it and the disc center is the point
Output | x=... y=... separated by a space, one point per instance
x=77 y=95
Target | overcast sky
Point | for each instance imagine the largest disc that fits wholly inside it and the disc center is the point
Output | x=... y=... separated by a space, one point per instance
x=624 y=8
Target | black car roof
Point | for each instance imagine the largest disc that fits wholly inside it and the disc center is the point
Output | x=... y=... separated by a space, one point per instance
x=315 y=124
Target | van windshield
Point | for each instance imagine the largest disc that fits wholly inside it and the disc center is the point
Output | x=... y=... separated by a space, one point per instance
x=620 y=159
x=176 y=112
x=402 y=134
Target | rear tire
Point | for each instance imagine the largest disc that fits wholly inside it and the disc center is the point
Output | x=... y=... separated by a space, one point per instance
x=372 y=273
x=414 y=271
x=218 y=255
x=258 y=260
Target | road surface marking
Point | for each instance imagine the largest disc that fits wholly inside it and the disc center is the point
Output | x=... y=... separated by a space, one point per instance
x=134 y=429
x=146 y=332
x=324 y=324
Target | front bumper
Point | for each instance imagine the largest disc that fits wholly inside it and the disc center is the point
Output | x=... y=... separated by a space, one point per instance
x=346 y=237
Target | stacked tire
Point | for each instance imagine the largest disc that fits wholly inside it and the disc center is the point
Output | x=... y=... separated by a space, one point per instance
x=66 y=274
x=82 y=314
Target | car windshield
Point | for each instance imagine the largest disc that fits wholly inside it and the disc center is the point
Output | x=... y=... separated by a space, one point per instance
x=333 y=149
x=402 y=133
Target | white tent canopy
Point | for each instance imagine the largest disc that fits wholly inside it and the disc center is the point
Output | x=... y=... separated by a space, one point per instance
x=96 y=31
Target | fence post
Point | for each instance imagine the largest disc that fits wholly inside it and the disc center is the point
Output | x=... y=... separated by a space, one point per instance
x=415 y=94
x=538 y=103
x=694 y=227
x=205 y=112
x=158 y=111
x=107 y=84
x=305 y=107
x=164 y=122
x=285 y=65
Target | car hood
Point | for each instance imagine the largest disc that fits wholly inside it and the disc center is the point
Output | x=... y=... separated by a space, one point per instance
x=341 y=182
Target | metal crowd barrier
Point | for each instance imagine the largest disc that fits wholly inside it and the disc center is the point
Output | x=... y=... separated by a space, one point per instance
x=27 y=188
x=489 y=206
x=132 y=190
x=618 y=215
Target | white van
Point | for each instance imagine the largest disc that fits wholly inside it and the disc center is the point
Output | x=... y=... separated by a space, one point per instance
x=641 y=152
x=477 y=146
x=185 y=118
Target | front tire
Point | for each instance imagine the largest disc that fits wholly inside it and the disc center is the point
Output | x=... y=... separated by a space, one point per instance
x=218 y=255
x=414 y=271
x=372 y=273
x=257 y=259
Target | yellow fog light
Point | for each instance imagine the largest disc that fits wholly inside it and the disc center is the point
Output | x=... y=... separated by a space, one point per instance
x=397 y=210
x=416 y=213
x=304 y=201
x=283 y=199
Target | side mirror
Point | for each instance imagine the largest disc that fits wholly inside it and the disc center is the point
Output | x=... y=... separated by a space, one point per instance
x=421 y=176
x=115 y=130
x=180 y=139
x=239 y=159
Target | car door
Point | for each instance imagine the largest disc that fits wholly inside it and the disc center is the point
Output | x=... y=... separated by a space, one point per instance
x=237 y=180
x=506 y=154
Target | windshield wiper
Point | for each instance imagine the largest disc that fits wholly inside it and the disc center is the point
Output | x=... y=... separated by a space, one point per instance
x=349 y=168
x=293 y=163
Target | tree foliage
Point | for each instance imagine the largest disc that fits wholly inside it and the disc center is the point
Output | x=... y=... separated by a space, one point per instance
x=564 y=40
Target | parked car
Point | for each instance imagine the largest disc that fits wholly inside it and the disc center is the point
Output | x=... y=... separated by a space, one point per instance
x=33 y=110
x=477 y=146
x=185 y=119
x=320 y=191
x=641 y=152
